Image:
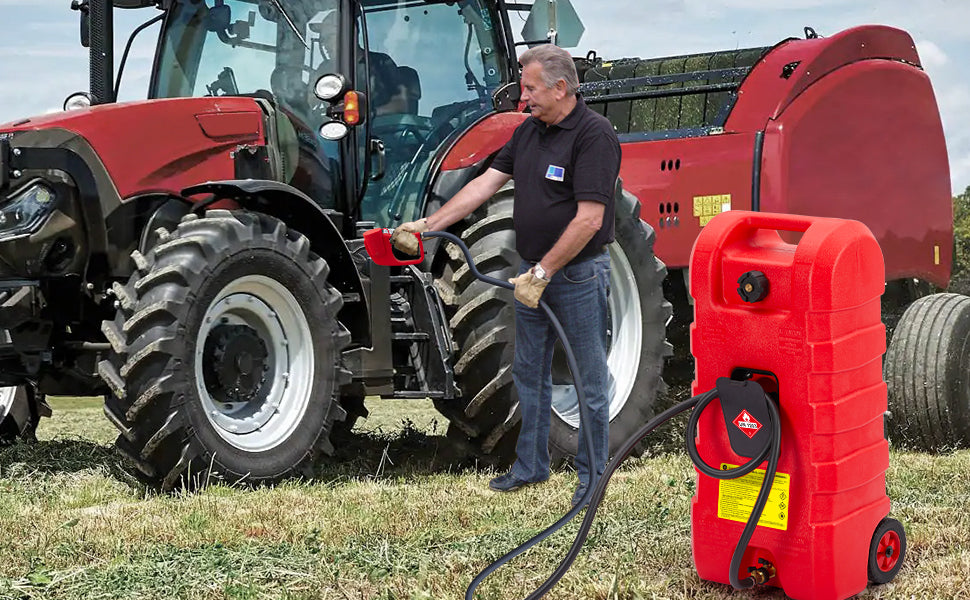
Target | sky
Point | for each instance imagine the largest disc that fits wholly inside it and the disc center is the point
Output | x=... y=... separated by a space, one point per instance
x=42 y=62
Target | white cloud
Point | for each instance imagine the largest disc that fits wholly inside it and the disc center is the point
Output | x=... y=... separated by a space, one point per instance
x=50 y=52
x=931 y=55
x=733 y=7
x=960 y=172
x=954 y=101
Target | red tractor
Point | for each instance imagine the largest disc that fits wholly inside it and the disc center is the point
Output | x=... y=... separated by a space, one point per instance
x=197 y=257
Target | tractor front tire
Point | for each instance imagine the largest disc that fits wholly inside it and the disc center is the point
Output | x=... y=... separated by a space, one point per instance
x=226 y=362
x=927 y=369
x=483 y=324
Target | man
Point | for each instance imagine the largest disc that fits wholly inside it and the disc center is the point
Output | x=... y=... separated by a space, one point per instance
x=565 y=161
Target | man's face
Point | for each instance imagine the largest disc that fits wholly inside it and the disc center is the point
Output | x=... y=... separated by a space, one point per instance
x=544 y=102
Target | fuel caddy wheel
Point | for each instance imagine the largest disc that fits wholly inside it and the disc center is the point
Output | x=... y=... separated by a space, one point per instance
x=886 y=551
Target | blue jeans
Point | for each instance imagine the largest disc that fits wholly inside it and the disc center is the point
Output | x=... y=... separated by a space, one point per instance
x=577 y=296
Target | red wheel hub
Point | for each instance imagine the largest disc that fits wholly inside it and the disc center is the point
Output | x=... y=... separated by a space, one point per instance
x=887 y=554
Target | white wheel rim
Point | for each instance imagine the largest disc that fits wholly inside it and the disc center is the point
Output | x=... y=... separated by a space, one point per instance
x=626 y=343
x=272 y=312
x=7 y=395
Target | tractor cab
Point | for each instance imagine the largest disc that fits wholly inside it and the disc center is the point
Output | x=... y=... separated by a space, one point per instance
x=420 y=72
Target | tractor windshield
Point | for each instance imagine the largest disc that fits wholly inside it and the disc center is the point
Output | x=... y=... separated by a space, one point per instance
x=261 y=48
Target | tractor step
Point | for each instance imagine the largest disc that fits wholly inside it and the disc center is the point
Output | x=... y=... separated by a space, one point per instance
x=410 y=337
x=417 y=395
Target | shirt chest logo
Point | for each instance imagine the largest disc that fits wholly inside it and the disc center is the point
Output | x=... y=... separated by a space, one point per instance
x=555 y=173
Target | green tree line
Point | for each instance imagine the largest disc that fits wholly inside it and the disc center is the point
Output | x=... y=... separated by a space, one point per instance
x=960 y=279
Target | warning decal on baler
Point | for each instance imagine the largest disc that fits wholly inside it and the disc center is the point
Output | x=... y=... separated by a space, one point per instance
x=708 y=207
x=736 y=498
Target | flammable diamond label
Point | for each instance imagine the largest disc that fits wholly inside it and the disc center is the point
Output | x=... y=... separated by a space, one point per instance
x=747 y=424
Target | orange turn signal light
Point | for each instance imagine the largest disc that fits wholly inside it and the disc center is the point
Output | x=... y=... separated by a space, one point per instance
x=351 y=108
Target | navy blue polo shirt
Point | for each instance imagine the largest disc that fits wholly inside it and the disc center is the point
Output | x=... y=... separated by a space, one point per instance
x=554 y=167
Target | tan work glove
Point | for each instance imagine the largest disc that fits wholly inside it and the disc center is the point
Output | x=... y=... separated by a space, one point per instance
x=404 y=239
x=528 y=288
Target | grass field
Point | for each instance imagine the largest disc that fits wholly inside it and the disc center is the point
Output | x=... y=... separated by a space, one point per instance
x=394 y=519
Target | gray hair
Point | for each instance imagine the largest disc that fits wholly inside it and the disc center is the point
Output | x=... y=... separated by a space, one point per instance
x=556 y=64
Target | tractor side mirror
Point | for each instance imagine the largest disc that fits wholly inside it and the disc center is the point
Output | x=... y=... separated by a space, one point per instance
x=83 y=7
x=553 y=21
x=85 y=30
x=217 y=18
x=507 y=97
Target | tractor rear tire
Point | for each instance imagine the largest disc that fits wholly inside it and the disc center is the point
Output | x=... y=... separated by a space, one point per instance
x=18 y=418
x=483 y=324
x=226 y=361
x=927 y=369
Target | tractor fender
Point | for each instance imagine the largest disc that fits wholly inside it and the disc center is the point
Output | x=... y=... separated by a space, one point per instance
x=482 y=140
x=300 y=213
x=465 y=159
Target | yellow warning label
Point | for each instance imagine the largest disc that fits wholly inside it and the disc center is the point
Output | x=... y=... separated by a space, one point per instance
x=736 y=498
x=708 y=207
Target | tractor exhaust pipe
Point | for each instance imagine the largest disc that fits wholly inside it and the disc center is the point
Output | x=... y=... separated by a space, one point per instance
x=101 y=36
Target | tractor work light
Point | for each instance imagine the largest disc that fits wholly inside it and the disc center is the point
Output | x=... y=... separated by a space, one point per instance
x=23 y=212
x=334 y=131
x=330 y=87
x=78 y=100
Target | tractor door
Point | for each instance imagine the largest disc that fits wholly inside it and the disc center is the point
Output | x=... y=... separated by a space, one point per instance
x=432 y=69
x=268 y=50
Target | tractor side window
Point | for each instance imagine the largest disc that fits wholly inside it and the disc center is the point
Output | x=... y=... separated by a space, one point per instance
x=432 y=69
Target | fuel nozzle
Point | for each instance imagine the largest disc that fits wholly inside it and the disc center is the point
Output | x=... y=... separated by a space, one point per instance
x=762 y=574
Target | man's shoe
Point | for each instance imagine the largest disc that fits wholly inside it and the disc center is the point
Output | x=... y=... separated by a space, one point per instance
x=578 y=496
x=509 y=482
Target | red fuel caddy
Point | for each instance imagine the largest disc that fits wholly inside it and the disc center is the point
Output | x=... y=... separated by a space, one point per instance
x=793 y=303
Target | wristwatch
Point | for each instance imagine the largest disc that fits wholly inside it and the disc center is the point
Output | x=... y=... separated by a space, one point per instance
x=540 y=273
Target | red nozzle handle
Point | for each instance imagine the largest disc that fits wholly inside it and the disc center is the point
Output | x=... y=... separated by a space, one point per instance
x=378 y=245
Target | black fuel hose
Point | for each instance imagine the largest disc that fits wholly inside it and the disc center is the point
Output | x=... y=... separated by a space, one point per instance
x=597 y=489
x=771 y=451
x=698 y=404
x=584 y=416
x=597 y=497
